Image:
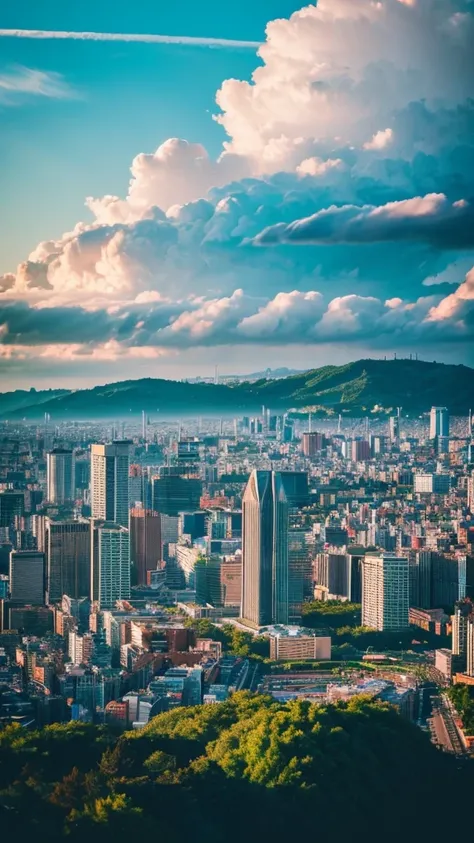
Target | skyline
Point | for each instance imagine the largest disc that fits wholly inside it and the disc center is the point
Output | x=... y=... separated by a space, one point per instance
x=319 y=210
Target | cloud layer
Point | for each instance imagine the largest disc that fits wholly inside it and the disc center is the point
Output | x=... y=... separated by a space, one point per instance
x=340 y=209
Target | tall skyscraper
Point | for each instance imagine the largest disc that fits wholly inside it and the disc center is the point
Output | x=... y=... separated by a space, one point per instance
x=12 y=505
x=68 y=555
x=145 y=542
x=385 y=592
x=109 y=482
x=394 y=425
x=27 y=577
x=300 y=572
x=265 y=550
x=110 y=579
x=439 y=422
x=60 y=475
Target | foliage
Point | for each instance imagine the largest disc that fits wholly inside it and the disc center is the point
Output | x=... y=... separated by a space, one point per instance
x=234 y=641
x=331 y=614
x=245 y=769
x=462 y=698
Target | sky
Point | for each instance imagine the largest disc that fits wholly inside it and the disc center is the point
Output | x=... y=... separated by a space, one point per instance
x=285 y=185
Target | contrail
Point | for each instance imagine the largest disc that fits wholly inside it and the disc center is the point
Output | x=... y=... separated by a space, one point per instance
x=183 y=40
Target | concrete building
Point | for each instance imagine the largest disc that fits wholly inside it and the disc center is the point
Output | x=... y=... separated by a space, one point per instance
x=432 y=484
x=312 y=443
x=110 y=466
x=110 y=578
x=294 y=643
x=439 y=422
x=385 y=592
x=145 y=542
x=265 y=550
x=26 y=577
x=60 y=475
x=68 y=559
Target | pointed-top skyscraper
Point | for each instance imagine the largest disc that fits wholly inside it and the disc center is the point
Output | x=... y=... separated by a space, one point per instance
x=265 y=550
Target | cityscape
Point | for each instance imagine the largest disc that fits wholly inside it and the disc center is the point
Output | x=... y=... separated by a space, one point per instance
x=236 y=421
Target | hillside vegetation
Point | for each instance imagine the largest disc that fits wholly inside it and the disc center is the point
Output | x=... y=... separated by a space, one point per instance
x=249 y=769
x=358 y=388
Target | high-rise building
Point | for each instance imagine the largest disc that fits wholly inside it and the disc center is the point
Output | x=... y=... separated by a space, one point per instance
x=12 y=505
x=173 y=494
x=360 y=450
x=60 y=475
x=265 y=550
x=68 y=555
x=295 y=484
x=145 y=542
x=27 y=577
x=312 y=443
x=109 y=482
x=394 y=426
x=110 y=579
x=300 y=572
x=385 y=591
x=459 y=621
x=439 y=422
x=470 y=494
x=432 y=484
x=470 y=646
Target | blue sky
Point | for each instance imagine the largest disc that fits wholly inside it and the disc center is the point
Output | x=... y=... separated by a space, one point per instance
x=124 y=98
x=320 y=211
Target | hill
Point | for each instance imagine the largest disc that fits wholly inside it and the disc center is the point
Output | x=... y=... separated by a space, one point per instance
x=248 y=769
x=358 y=388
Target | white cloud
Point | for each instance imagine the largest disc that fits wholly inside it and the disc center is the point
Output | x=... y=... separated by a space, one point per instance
x=180 y=40
x=380 y=140
x=20 y=82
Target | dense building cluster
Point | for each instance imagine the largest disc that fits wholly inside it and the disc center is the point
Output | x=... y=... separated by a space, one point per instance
x=119 y=542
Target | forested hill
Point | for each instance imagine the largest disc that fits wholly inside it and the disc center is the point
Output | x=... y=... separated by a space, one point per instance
x=247 y=770
x=366 y=386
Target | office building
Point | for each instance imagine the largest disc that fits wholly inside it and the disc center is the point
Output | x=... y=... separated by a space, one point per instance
x=298 y=643
x=265 y=550
x=432 y=484
x=332 y=572
x=173 y=493
x=145 y=542
x=27 y=577
x=360 y=450
x=68 y=559
x=295 y=484
x=300 y=572
x=439 y=422
x=394 y=427
x=312 y=444
x=12 y=506
x=385 y=592
x=459 y=626
x=60 y=476
x=110 y=563
x=110 y=466
x=192 y=525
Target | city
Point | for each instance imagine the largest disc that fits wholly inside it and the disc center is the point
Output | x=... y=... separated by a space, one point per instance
x=236 y=421
x=186 y=561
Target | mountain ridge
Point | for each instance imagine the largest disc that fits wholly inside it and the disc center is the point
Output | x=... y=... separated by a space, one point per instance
x=361 y=387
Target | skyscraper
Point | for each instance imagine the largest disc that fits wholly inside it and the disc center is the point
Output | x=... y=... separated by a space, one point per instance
x=385 y=592
x=68 y=554
x=173 y=494
x=265 y=550
x=145 y=542
x=110 y=579
x=312 y=443
x=394 y=425
x=27 y=577
x=60 y=475
x=109 y=482
x=439 y=422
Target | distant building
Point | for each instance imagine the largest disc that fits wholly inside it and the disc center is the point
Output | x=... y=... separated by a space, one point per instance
x=432 y=484
x=110 y=564
x=439 y=422
x=68 y=555
x=385 y=592
x=312 y=443
x=26 y=577
x=110 y=466
x=60 y=476
x=145 y=542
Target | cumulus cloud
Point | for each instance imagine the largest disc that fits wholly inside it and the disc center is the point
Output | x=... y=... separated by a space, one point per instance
x=432 y=219
x=307 y=161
